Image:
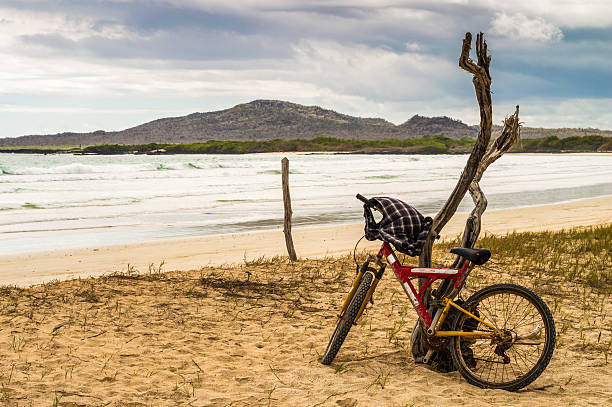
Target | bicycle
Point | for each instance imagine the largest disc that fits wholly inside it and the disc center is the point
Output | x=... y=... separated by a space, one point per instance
x=502 y=337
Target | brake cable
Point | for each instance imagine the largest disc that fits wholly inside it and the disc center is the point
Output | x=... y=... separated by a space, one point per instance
x=355 y=253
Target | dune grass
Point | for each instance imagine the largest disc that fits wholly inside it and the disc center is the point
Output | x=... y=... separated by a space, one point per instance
x=581 y=256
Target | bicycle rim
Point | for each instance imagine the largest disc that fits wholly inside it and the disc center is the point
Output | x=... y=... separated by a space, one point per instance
x=508 y=365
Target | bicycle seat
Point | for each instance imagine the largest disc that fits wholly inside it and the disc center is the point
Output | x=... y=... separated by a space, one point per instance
x=476 y=256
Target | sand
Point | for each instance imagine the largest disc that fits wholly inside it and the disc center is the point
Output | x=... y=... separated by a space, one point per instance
x=193 y=253
x=253 y=335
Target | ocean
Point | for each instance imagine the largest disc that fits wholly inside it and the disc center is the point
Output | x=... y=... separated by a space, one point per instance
x=66 y=201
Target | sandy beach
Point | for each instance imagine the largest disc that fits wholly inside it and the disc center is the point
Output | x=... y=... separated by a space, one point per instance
x=253 y=335
x=230 y=325
x=194 y=253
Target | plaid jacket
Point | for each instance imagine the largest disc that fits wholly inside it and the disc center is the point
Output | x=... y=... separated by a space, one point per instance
x=401 y=225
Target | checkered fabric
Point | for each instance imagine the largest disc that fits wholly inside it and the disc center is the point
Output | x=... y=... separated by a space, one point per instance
x=401 y=225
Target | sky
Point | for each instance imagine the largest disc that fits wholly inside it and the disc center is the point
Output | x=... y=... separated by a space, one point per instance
x=84 y=65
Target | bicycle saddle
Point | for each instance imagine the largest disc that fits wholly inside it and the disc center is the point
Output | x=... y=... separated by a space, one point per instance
x=476 y=256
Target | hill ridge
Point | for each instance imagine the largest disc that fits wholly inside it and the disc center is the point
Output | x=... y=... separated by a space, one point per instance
x=266 y=119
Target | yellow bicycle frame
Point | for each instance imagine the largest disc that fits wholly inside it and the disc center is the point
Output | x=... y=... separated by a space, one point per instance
x=473 y=334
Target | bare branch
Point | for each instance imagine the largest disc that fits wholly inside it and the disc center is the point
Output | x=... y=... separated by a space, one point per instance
x=482 y=86
x=465 y=62
x=509 y=136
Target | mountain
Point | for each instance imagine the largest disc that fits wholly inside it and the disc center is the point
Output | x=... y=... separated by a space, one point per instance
x=257 y=120
x=273 y=119
x=444 y=126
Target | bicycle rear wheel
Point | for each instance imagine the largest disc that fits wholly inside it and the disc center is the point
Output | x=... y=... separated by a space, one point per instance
x=522 y=355
x=346 y=322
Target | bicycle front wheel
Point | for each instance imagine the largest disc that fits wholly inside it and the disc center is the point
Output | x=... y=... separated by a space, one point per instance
x=517 y=359
x=348 y=319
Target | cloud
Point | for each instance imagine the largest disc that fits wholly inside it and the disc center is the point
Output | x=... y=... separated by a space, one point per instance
x=413 y=46
x=13 y=108
x=72 y=26
x=566 y=14
x=374 y=72
x=520 y=27
x=390 y=59
x=562 y=112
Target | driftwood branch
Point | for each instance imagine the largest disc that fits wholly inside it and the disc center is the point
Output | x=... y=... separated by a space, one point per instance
x=482 y=86
x=509 y=137
x=288 y=212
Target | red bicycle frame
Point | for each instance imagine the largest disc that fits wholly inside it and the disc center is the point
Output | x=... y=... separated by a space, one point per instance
x=405 y=273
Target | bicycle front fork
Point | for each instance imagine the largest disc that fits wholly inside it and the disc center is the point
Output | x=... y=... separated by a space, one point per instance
x=365 y=268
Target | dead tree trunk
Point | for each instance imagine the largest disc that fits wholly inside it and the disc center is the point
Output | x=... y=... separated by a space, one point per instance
x=478 y=161
x=480 y=157
x=288 y=212
x=482 y=85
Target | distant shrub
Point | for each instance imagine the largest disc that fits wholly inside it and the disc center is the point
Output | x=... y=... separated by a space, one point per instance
x=553 y=144
x=606 y=146
x=433 y=144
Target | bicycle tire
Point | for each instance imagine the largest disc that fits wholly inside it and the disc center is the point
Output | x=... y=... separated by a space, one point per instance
x=515 y=309
x=346 y=322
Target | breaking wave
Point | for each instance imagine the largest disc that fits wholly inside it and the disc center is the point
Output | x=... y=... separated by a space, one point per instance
x=78 y=168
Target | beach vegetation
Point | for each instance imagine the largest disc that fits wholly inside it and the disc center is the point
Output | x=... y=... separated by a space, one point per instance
x=554 y=144
x=434 y=144
x=423 y=145
x=579 y=255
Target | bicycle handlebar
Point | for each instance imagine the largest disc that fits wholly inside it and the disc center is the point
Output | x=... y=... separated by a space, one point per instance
x=369 y=204
x=363 y=199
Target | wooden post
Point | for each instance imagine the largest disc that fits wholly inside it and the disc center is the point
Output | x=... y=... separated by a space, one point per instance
x=288 y=212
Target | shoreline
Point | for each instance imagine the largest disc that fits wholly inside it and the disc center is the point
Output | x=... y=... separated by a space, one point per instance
x=329 y=152
x=318 y=241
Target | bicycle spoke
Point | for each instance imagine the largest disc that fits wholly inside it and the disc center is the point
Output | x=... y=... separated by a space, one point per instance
x=512 y=308
x=525 y=315
x=517 y=303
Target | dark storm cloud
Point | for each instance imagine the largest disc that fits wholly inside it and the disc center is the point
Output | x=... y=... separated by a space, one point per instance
x=180 y=45
x=268 y=28
x=171 y=31
x=162 y=31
